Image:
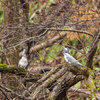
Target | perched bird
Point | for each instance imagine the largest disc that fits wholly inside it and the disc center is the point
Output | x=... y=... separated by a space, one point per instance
x=71 y=60
x=23 y=61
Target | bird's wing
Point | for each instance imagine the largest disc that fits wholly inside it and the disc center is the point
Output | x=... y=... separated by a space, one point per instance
x=19 y=64
x=72 y=60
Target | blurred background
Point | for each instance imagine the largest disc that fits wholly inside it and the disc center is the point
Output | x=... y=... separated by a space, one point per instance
x=43 y=27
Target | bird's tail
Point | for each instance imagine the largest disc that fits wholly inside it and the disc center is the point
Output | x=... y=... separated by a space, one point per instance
x=82 y=65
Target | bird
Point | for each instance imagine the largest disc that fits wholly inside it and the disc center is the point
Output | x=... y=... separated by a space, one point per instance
x=71 y=60
x=23 y=62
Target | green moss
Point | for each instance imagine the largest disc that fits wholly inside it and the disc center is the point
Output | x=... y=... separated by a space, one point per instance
x=92 y=89
x=39 y=74
x=59 y=81
x=21 y=69
x=92 y=73
x=92 y=84
x=49 y=79
x=13 y=70
x=16 y=70
x=3 y=67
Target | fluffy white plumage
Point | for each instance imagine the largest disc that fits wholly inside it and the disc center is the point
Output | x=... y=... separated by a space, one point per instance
x=69 y=58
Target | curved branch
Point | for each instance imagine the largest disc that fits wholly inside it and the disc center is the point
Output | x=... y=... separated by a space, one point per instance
x=64 y=85
x=12 y=92
x=71 y=30
x=83 y=92
x=92 y=50
x=47 y=43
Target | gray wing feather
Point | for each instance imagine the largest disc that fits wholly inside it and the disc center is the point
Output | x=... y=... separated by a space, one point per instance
x=72 y=60
x=68 y=50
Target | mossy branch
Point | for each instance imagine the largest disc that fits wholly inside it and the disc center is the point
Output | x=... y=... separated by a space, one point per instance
x=48 y=82
x=13 y=69
x=89 y=75
x=92 y=85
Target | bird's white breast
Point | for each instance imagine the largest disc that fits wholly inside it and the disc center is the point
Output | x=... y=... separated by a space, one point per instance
x=23 y=62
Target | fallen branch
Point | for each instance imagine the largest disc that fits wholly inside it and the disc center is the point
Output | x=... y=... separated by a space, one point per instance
x=11 y=69
x=12 y=92
x=82 y=92
x=53 y=40
x=6 y=94
x=41 y=69
x=47 y=43
x=48 y=82
x=63 y=86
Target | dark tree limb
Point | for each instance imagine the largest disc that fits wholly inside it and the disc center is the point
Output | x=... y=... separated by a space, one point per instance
x=12 y=92
x=92 y=50
x=60 y=89
x=48 y=82
x=53 y=40
x=83 y=92
x=6 y=94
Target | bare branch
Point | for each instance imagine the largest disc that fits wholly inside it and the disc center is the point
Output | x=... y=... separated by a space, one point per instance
x=92 y=50
x=63 y=86
x=82 y=92
x=48 y=82
x=12 y=92
x=71 y=30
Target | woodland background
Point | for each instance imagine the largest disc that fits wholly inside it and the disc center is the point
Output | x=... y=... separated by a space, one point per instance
x=43 y=27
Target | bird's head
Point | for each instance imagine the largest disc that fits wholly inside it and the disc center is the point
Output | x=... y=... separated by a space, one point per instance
x=66 y=50
x=24 y=54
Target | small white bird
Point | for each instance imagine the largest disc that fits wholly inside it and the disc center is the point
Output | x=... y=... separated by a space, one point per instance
x=23 y=61
x=69 y=58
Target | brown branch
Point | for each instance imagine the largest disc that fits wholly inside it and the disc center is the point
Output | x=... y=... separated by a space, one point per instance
x=82 y=92
x=47 y=43
x=48 y=82
x=27 y=39
x=71 y=30
x=92 y=50
x=53 y=40
x=41 y=69
x=12 y=92
x=63 y=86
x=6 y=94
x=52 y=71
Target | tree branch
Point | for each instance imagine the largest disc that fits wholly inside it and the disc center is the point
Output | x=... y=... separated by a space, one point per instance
x=48 y=82
x=63 y=86
x=71 y=30
x=83 y=92
x=92 y=50
x=12 y=92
